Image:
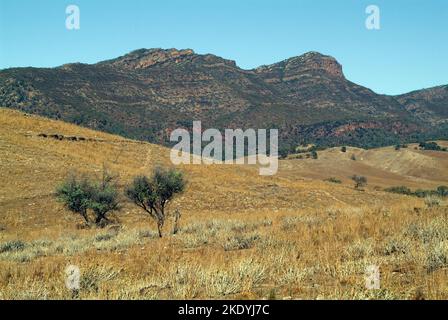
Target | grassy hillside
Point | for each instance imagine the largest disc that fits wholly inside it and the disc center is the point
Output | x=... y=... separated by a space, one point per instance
x=242 y=235
x=383 y=167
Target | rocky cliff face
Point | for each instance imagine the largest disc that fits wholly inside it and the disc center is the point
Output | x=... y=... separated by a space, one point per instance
x=312 y=63
x=149 y=92
x=145 y=58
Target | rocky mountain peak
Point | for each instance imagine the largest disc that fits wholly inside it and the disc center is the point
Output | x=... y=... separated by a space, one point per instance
x=310 y=62
x=317 y=61
x=144 y=58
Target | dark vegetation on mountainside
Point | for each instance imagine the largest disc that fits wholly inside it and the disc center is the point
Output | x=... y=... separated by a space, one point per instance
x=148 y=93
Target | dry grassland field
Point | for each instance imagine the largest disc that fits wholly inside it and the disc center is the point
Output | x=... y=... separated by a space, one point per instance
x=294 y=235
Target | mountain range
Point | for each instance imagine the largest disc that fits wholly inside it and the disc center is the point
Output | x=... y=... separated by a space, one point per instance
x=149 y=92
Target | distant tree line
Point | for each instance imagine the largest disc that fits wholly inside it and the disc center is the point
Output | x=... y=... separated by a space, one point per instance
x=287 y=149
x=431 y=146
x=441 y=191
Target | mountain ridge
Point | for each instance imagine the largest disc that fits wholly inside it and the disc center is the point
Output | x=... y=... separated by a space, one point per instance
x=147 y=93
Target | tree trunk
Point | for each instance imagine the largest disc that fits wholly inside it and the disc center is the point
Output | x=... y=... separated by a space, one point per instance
x=160 y=222
x=86 y=218
x=99 y=218
x=159 y=227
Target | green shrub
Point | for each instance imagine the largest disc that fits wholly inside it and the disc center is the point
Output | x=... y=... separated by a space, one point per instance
x=155 y=193
x=360 y=181
x=333 y=180
x=10 y=246
x=399 y=190
x=442 y=191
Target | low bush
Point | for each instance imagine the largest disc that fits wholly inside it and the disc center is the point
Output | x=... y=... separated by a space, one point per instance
x=333 y=180
x=399 y=190
x=10 y=246
x=440 y=192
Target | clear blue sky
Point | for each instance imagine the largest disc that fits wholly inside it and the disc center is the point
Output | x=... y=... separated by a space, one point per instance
x=409 y=52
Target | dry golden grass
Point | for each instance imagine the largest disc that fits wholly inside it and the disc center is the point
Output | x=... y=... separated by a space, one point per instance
x=383 y=167
x=242 y=235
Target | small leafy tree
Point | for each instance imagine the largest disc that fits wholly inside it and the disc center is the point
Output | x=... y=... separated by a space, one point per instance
x=314 y=154
x=344 y=149
x=155 y=193
x=75 y=193
x=104 y=197
x=360 y=181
